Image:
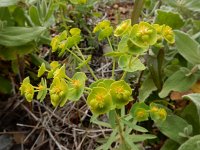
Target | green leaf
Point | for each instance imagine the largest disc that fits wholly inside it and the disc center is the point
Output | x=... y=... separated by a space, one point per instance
x=130 y=64
x=192 y=144
x=193 y=5
x=19 y=16
x=187 y=47
x=178 y=82
x=5 y=86
x=16 y=36
x=34 y=15
x=155 y=68
x=170 y=145
x=133 y=126
x=190 y=114
x=139 y=138
x=11 y=53
x=195 y=98
x=172 y=127
x=112 y=118
x=174 y=20
x=76 y=86
x=110 y=140
x=146 y=89
x=5 y=3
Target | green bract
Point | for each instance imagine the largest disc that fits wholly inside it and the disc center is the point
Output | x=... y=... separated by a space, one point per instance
x=103 y=29
x=58 y=92
x=99 y=100
x=143 y=34
x=54 y=65
x=141 y=114
x=42 y=90
x=159 y=32
x=140 y=111
x=55 y=43
x=65 y=41
x=123 y=28
x=60 y=73
x=130 y=64
x=41 y=70
x=121 y=93
x=27 y=89
x=76 y=86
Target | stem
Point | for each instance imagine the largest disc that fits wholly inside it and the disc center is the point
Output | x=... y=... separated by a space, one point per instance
x=138 y=5
x=120 y=129
x=114 y=61
x=193 y=70
x=74 y=55
x=90 y=70
x=124 y=75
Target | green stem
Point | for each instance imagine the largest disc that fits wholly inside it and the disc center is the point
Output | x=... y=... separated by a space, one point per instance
x=124 y=75
x=90 y=70
x=120 y=129
x=114 y=61
x=79 y=59
x=138 y=5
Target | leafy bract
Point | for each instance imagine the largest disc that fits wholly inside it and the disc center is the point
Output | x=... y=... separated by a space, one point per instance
x=58 y=92
x=130 y=64
x=42 y=90
x=76 y=86
x=140 y=111
x=122 y=28
x=143 y=34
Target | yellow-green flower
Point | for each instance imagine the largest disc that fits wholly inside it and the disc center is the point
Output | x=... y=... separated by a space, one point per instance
x=58 y=92
x=27 y=89
x=121 y=93
x=168 y=34
x=141 y=114
x=55 y=43
x=99 y=100
x=123 y=28
x=156 y=113
x=143 y=34
x=103 y=29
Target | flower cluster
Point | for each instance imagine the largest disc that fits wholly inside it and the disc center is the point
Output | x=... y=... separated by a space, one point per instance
x=61 y=89
x=108 y=94
x=141 y=112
